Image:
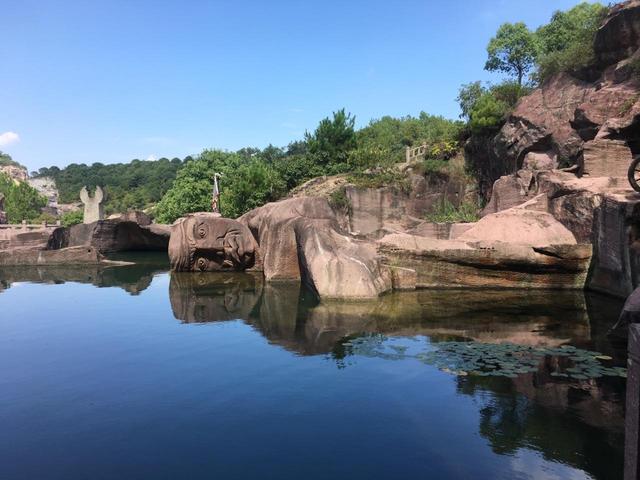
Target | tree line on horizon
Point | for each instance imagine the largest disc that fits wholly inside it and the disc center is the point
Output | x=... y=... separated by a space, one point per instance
x=252 y=176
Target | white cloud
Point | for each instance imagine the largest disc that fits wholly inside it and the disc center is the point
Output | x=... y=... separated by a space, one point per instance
x=7 y=138
x=152 y=157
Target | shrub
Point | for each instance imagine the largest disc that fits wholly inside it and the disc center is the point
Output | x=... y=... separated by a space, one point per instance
x=22 y=202
x=70 y=219
x=488 y=114
x=446 y=212
x=381 y=177
x=339 y=201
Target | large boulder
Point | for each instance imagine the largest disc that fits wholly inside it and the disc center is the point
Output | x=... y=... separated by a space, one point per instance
x=603 y=212
x=27 y=236
x=117 y=236
x=66 y=256
x=521 y=227
x=300 y=239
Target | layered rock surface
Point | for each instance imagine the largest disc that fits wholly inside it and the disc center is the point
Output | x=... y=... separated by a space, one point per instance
x=603 y=212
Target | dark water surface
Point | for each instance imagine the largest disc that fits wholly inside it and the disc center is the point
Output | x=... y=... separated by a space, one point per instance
x=210 y=376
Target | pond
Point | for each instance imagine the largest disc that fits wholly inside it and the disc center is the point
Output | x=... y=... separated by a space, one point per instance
x=132 y=372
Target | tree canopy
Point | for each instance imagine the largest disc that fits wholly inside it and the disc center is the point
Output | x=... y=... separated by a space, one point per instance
x=512 y=50
x=135 y=185
x=21 y=202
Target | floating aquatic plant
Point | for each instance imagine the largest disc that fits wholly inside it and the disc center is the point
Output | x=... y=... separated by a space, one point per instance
x=490 y=359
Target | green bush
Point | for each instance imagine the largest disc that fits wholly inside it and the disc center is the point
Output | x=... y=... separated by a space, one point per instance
x=488 y=114
x=70 y=219
x=245 y=184
x=434 y=165
x=339 y=201
x=565 y=44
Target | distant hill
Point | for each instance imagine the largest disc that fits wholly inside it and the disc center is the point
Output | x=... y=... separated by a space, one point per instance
x=138 y=184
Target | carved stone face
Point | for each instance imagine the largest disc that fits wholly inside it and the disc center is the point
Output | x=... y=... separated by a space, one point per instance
x=205 y=242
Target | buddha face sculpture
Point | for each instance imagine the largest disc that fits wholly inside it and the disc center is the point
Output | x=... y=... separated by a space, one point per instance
x=206 y=242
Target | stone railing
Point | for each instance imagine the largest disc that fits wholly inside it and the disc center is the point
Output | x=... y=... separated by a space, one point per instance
x=415 y=153
x=30 y=226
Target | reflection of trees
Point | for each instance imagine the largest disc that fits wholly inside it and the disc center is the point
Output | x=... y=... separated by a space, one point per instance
x=576 y=423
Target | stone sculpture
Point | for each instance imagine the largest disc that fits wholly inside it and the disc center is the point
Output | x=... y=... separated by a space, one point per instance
x=93 y=209
x=206 y=242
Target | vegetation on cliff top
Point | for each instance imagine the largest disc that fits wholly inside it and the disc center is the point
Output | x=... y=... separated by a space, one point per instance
x=22 y=202
x=565 y=44
x=252 y=177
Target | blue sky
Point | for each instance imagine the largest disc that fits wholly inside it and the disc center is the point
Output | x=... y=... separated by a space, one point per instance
x=109 y=81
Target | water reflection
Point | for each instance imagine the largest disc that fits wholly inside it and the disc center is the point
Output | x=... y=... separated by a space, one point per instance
x=575 y=422
x=291 y=317
x=133 y=278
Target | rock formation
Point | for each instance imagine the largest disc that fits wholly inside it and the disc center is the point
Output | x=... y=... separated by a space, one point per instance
x=66 y=256
x=300 y=239
x=115 y=236
x=603 y=212
x=207 y=242
x=590 y=119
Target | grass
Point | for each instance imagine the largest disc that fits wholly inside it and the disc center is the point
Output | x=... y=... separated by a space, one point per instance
x=381 y=177
x=446 y=212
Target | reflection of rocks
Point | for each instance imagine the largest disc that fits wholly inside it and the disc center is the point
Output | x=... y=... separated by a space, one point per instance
x=131 y=278
x=211 y=297
x=291 y=317
x=206 y=242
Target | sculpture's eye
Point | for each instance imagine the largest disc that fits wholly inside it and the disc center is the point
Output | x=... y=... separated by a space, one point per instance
x=202 y=231
x=202 y=264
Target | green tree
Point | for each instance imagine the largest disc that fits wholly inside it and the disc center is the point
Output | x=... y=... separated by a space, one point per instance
x=246 y=183
x=566 y=43
x=22 y=202
x=468 y=96
x=488 y=114
x=332 y=141
x=512 y=50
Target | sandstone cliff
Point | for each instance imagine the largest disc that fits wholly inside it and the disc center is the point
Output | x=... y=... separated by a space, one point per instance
x=589 y=119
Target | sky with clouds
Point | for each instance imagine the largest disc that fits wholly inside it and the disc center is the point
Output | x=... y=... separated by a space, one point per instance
x=109 y=81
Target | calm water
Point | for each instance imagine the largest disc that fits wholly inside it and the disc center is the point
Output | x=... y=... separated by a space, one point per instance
x=131 y=372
